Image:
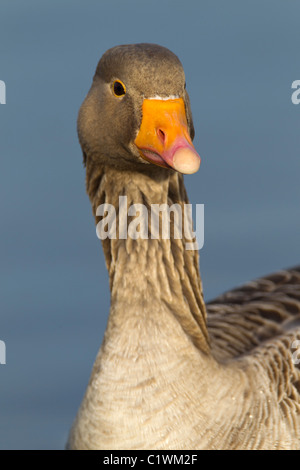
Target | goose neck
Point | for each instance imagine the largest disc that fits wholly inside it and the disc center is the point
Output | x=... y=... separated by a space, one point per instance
x=154 y=280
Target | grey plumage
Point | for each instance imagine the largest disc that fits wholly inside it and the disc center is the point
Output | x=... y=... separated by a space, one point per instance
x=173 y=373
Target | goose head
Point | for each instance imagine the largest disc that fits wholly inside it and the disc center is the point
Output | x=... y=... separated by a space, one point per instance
x=137 y=112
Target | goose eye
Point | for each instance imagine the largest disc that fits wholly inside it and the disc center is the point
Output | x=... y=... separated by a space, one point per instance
x=119 y=88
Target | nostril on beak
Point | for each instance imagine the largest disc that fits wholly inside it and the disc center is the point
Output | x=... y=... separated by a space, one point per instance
x=161 y=135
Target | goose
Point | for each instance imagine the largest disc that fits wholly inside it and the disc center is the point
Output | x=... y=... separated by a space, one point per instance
x=172 y=372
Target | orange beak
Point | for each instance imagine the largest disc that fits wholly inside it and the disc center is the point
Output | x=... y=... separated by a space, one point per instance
x=163 y=138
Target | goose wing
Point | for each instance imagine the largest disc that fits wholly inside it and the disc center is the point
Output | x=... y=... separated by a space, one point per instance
x=259 y=323
x=254 y=314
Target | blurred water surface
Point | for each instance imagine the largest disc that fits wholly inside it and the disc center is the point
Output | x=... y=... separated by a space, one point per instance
x=240 y=60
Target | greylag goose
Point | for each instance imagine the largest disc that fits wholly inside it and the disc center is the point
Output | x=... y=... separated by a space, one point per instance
x=171 y=372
